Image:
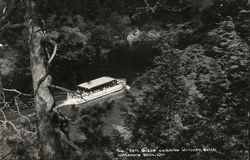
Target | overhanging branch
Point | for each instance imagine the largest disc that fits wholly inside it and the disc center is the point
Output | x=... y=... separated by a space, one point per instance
x=60 y=88
x=16 y=91
x=12 y=26
x=54 y=52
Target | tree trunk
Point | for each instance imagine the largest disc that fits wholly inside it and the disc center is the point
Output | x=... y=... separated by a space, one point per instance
x=47 y=124
x=1 y=84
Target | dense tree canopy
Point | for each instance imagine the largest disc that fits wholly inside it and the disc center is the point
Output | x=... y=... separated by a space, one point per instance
x=195 y=97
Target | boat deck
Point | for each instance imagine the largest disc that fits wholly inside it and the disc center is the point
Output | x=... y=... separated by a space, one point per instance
x=63 y=106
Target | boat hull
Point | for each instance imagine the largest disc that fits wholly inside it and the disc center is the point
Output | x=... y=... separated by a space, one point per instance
x=93 y=96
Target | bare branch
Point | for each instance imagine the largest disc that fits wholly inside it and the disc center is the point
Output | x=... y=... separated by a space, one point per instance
x=4 y=116
x=16 y=91
x=8 y=8
x=12 y=26
x=46 y=49
x=149 y=7
x=3 y=96
x=18 y=110
x=54 y=52
x=146 y=3
x=5 y=122
x=14 y=127
x=60 y=88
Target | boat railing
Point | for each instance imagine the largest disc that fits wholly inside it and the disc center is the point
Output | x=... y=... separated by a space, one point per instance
x=119 y=81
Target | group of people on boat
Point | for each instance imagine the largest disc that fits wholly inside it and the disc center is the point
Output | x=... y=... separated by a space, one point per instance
x=80 y=93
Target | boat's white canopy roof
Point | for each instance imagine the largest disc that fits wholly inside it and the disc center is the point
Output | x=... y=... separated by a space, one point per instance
x=96 y=82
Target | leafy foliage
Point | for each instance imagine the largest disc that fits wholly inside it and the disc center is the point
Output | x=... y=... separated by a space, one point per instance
x=95 y=145
x=195 y=98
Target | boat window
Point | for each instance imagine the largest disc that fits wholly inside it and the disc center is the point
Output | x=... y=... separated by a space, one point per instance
x=102 y=87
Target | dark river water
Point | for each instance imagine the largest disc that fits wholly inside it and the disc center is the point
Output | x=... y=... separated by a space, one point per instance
x=121 y=63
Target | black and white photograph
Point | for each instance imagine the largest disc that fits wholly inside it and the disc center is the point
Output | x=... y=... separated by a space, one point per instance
x=124 y=79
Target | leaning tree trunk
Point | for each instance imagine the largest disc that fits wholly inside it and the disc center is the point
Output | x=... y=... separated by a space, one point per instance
x=1 y=84
x=49 y=139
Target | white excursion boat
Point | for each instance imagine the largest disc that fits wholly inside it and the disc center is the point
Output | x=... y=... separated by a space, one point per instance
x=95 y=89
